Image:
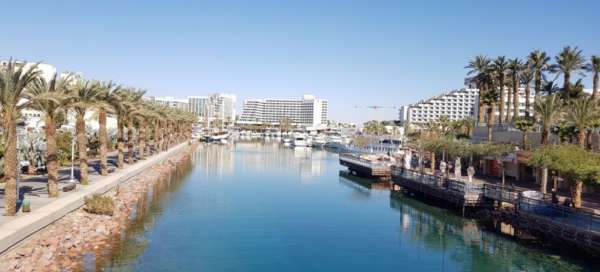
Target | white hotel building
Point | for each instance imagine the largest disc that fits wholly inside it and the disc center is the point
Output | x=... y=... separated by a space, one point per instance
x=214 y=107
x=308 y=112
x=456 y=105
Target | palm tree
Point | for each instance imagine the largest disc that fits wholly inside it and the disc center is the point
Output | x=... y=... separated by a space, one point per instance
x=499 y=68
x=490 y=99
x=104 y=106
x=86 y=95
x=131 y=104
x=526 y=78
x=539 y=62
x=15 y=78
x=548 y=110
x=480 y=66
x=582 y=113
x=524 y=124
x=515 y=66
x=57 y=88
x=568 y=61
x=595 y=68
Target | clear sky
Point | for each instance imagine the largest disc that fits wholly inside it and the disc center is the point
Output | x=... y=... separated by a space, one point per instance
x=354 y=53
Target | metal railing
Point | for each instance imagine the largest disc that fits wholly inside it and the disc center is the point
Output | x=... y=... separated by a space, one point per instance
x=453 y=185
x=558 y=214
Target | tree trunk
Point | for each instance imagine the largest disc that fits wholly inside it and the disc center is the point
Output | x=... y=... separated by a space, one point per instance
x=544 y=180
x=538 y=88
x=142 y=135
x=481 y=111
x=51 y=155
x=525 y=139
x=82 y=146
x=581 y=137
x=432 y=163
x=515 y=97
x=501 y=102
x=527 y=102
x=103 y=140
x=10 y=165
x=545 y=136
x=120 y=144
x=567 y=85
x=508 y=106
x=130 y=142
x=576 y=190
x=490 y=122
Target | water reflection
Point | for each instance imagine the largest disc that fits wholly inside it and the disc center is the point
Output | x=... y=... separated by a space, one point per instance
x=463 y=241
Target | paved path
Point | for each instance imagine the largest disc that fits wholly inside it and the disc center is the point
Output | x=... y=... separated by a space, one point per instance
x=46 y=210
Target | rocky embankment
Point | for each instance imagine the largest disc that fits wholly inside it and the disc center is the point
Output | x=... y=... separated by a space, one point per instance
x=64 y=244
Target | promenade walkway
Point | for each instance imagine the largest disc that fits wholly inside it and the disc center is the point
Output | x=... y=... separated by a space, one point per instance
x=46 y=210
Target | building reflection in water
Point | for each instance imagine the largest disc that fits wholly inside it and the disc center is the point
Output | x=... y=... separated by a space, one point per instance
x=221 y=160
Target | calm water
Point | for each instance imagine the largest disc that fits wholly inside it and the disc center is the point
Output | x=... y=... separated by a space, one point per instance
x=259 y=207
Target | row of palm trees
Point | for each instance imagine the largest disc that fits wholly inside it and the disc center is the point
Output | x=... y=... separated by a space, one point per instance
x=138 y=121
x=501 y=78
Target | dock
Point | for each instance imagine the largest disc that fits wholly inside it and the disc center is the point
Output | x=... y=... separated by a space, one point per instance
x=364 y=168
x=579 y=228
x=459 y=193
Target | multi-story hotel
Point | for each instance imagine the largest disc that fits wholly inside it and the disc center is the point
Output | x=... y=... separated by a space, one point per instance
x=309 y=111
x=214 y=107
x=455 y=104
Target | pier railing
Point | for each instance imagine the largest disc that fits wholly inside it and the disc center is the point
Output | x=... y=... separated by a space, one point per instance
x=469 y=192
x=559 y=214
x=363 y=162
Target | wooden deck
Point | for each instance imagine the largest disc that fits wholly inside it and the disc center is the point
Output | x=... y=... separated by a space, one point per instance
x=459 y=193
x=364 y=168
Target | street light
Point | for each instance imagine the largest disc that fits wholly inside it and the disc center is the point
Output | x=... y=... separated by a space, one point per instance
x=20 y=128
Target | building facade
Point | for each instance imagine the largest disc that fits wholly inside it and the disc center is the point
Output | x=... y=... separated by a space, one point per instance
x=456 y=105
x=308 y=111
x=214 y=107
x=459 y=104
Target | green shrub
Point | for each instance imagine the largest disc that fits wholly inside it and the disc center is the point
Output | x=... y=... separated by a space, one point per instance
x=99 y=204
x=63 y=142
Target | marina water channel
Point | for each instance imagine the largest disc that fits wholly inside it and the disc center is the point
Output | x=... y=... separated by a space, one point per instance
x=263 y=207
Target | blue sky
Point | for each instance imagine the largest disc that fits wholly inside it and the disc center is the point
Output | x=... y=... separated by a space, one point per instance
x=351 y=52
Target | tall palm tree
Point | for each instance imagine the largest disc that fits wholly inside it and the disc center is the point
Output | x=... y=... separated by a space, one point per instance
x=526 y=78
x=515 y=66
x=131 y=105
x=490 y=99
x=480 y=67
x=548 y=110
x=582 y=113
x=104 y=106
x=568 y=61
x=595 y=68
x=86 y=95
x=15 y=78
x=539 y=62
x=57 y=88
x=499 y=68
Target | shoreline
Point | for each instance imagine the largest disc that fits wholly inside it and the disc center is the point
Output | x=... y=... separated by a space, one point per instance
x=64 y=243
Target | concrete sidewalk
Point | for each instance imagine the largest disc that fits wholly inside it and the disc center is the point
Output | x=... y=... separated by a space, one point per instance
x=13 y=229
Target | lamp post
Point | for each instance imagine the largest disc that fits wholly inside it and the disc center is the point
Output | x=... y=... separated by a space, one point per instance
x=20 y=129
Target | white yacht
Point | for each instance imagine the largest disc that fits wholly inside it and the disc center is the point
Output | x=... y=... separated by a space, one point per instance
x=300 y=140
x=319 y=141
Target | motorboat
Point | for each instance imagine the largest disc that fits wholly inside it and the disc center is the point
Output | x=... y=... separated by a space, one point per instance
x=300 y=140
